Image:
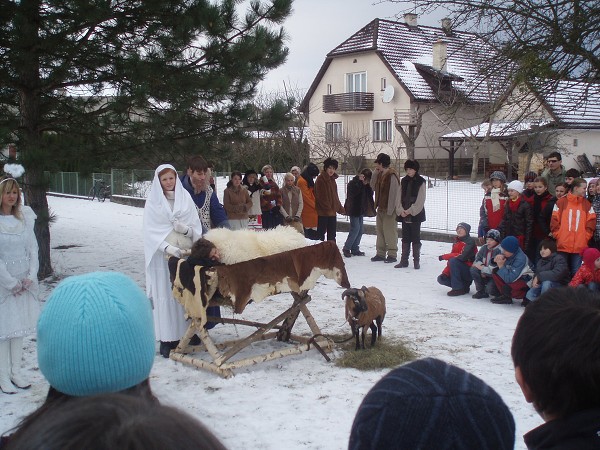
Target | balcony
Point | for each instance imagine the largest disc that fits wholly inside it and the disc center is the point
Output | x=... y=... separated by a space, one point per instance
x=350 y=101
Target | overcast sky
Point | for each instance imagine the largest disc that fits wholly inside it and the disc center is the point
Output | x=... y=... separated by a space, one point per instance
x=318 y=26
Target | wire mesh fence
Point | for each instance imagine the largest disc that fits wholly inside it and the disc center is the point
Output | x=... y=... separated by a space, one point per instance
x=448 y=202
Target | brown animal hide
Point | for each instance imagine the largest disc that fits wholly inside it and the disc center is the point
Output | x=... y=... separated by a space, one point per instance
x=192 y=287
x=292 y=271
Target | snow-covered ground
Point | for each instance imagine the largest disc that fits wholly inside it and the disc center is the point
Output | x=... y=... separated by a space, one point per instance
x=299 y=402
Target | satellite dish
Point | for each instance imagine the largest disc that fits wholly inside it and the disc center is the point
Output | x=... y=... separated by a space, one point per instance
x=388 y=94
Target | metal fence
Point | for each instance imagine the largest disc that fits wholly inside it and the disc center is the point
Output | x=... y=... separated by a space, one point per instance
x=448 y=201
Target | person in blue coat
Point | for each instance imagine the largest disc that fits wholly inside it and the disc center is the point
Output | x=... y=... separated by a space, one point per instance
x=195 y=181
x=513 y=272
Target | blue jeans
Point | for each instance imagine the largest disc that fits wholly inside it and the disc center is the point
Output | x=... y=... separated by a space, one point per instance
x=573 y=260
x=355 y=234
x=593 y=286
x=460 y=276
x=535 y=292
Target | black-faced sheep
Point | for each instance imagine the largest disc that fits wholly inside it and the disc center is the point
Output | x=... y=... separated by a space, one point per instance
x=363 y=307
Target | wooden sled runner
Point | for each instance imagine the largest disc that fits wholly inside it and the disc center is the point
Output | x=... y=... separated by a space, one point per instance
x=295 y=271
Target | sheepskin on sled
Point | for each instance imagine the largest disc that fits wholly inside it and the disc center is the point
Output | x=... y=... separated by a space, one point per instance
x=243 y=245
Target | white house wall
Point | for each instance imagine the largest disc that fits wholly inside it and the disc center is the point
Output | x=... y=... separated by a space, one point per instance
x=436 y=121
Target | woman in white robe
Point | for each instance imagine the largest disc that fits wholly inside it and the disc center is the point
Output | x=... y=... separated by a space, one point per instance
x=19 y=305
x=171 y=224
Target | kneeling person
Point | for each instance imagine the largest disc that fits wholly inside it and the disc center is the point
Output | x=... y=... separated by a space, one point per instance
x=513 y=272
x=456 y=274
x=481 y=270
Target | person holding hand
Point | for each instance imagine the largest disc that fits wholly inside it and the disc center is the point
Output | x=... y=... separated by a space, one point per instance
x=19 y=306
x=171 y=225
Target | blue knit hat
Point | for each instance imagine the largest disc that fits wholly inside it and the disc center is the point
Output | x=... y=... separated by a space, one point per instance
x=96 y=335
x=430 y=404
x=510 y=244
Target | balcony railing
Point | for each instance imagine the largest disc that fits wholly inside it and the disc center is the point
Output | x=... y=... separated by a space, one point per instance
x=405 y=117
x=350 y=101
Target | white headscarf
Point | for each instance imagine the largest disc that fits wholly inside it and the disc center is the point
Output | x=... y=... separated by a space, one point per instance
x=158 y=217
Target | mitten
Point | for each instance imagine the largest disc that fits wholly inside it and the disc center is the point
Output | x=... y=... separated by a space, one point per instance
x=181 y=227
x=173 y=251
x=441 y=258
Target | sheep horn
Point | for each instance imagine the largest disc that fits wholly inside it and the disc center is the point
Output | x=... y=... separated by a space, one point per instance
x=349 y=292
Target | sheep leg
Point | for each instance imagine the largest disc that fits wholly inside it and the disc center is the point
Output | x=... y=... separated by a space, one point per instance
x=356 y=334
x=379 y=321
x=364 y=329
x=373 y=333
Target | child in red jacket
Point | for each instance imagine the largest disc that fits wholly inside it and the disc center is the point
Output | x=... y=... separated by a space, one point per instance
x=588 y=275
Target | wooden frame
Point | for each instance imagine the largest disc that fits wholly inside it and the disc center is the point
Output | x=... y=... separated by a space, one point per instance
x=221 y=354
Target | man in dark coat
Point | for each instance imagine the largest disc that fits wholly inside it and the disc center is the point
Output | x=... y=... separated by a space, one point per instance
x=410 y=208
x=359 y=203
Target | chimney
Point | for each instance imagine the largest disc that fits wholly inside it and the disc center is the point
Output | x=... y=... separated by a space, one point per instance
x=447 y=26
x=411 y=20
x=440 y=50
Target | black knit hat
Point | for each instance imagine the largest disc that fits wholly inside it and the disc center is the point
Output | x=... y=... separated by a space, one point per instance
x=530 y=176
x=430 y=404
x=411 y=164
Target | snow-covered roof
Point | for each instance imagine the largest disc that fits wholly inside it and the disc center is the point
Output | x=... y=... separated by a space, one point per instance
x=496 y=130
x=575 y=104
x=404 y=48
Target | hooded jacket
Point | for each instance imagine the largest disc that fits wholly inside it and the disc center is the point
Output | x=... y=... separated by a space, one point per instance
x=573 y=223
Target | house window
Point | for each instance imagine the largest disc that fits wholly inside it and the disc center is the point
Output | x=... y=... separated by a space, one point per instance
x=383 y=84
x=329 y=89
x=333 y=131
x=356 y=82
x=382 y=131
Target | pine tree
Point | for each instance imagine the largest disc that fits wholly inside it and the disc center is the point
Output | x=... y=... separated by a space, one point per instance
x=90 y=83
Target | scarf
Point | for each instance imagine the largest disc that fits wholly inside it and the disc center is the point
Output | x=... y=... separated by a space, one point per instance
x=495 y=194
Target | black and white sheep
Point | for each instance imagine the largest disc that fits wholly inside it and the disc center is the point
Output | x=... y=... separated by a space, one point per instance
x=363 y=307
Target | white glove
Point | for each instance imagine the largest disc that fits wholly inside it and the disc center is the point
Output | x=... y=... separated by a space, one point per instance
x=173 y=251
x=181 y=227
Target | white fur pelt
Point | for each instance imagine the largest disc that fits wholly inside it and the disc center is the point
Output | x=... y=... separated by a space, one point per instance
x=242 y=245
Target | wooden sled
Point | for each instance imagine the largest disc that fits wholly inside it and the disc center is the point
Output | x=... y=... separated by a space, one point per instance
x=296 y=272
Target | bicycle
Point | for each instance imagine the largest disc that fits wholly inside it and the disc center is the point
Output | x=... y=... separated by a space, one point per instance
x=99 y=190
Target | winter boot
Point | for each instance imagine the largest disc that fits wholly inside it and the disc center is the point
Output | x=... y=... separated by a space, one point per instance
x=417 y=255
x=404 y=255
x=6 y=385
x=16 y=358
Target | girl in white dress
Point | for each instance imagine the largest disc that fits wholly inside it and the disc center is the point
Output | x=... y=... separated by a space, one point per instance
x=19 y=305
x=171 y=224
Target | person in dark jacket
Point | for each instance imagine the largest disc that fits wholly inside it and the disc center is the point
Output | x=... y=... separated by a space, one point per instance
x=517 y=220
x=410 y=209
x=359 y=203
x=556 y=356
x=270 y=199
x=551 y=271
x=327 y=201
x=459 y=278
x=481 y=270
x=543 y=204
